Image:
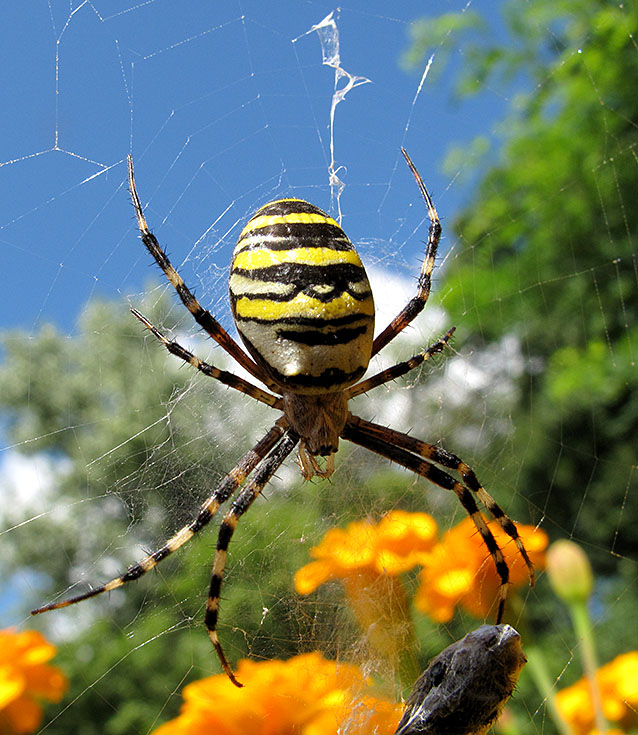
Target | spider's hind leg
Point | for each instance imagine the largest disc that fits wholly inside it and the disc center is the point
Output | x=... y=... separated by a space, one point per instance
x=240 y=505
x=234 y=479
x=419 y=456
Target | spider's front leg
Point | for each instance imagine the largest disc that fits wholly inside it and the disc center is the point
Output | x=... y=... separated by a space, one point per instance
x=416 y=304
x=202 y=316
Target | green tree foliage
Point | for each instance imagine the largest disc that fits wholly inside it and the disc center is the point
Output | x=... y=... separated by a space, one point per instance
x=547 y=252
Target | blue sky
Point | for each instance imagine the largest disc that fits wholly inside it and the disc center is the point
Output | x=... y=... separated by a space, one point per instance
x=222 y=110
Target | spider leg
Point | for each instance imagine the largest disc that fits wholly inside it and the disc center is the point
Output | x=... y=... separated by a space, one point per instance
x=240 y=505
x=234 y=479
x=416 y=304
x=396 y=371
x=232 y=381
x=382 y=441
x=451 y=461
x=203 y=317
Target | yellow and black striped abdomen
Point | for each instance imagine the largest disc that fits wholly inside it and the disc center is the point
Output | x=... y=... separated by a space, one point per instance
x=301 y=298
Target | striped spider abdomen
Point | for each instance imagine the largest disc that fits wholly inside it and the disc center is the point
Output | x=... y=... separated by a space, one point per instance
x=301 y=298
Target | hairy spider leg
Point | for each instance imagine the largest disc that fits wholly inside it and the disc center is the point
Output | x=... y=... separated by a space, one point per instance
x=239 y=506
x=401 y=368
x=373 y=437
x=229 y=379
x=202 y=316
x=451 y=461
x=233 y=480
x=416 y=304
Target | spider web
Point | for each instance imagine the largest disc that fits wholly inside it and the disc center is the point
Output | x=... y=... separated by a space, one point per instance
x=225 y=107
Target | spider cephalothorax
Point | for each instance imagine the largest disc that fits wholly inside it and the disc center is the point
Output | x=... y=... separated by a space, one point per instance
x=303 y=307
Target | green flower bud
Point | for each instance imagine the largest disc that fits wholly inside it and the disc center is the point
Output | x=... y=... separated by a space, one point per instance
x=569 y=572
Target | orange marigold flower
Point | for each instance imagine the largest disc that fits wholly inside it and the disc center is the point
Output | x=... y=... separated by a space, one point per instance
x=25 y=679
x=618 y=685
x=397 y=543
x=368 y=557
x=460 y=571
x=306 y=695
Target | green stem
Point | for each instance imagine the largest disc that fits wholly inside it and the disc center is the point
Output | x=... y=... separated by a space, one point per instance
x=583 y=629
x=538 y=671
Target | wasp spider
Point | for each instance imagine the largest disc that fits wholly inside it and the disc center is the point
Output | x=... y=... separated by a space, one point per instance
x=303 y=307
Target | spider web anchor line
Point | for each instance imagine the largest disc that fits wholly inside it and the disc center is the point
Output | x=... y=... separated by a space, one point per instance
x=328 y=33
